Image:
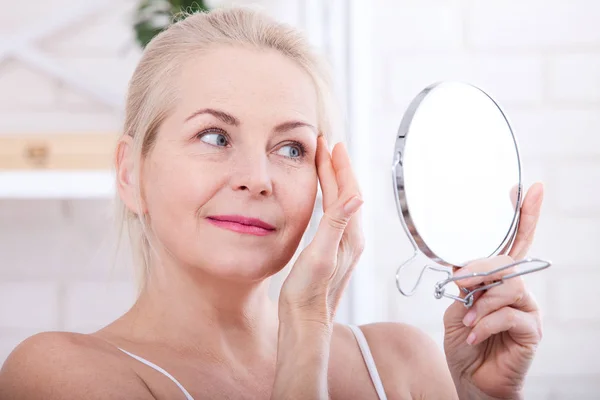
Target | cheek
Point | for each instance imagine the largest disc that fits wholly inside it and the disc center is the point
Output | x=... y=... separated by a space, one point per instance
x=174 y=193
x=298 y=191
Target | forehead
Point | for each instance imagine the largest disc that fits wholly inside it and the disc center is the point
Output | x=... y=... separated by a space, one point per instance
x=259 y=82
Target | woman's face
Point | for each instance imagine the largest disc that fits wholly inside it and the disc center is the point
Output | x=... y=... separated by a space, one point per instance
x=241 y=142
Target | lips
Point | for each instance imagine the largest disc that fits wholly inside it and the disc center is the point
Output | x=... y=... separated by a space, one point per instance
x=238 y=219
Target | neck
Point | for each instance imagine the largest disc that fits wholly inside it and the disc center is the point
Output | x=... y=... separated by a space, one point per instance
x=194 y=312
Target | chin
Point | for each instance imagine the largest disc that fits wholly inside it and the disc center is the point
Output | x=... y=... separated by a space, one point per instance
x=245 y=268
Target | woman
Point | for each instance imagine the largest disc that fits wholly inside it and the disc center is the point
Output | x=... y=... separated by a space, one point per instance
x=217 y=172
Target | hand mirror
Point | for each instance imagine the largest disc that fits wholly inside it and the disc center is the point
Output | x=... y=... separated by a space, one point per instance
x=457 y=180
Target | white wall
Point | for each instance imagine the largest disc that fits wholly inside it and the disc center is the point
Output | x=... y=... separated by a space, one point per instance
x=55 y=255
x=540 y=60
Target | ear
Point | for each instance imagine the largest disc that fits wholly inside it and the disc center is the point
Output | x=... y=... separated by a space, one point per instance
x=127 y=184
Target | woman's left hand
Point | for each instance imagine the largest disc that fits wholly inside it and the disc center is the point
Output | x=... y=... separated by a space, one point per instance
x=490 y=346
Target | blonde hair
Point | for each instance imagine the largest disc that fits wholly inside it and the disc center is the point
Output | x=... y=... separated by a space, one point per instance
x=151 y=94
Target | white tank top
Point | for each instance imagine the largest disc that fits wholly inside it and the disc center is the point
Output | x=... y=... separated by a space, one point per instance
x=362 y=344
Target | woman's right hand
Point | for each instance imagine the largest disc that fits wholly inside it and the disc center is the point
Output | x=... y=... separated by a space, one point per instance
x=311 y=293
x=317 y=280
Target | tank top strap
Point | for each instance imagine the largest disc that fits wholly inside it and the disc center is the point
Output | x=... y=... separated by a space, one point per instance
x=369 y=361
x=159 y=369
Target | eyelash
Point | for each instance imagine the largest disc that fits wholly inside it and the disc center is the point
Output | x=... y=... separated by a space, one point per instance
x=212 y=130
x=299 y=145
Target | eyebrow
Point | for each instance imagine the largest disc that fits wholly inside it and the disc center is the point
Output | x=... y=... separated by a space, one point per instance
x=231 y=120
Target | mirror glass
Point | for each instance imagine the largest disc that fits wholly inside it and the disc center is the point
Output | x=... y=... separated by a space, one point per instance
x=457 y=174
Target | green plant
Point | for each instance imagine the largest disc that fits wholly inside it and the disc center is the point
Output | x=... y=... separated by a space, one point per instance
x=153 y=16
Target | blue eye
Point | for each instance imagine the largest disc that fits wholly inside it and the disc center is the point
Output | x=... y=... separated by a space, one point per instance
x=215 y=139
x=293 y=151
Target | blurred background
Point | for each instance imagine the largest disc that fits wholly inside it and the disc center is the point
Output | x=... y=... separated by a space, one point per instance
x=64 y=66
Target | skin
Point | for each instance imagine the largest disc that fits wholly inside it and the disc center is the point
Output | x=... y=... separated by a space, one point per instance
x=505 y=321
x=205 y=316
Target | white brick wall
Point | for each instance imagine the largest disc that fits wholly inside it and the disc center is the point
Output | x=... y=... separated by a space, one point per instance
x=555 y=132
x=28 y=88
x=541 y=61
x=400 y=30
x=574 y=78
x=29 y=305
x=91 y=305
x=536 y=25
x=568 y=242
x=576 y=188
x=576 y=298
x=56 y=269
x=409 y=74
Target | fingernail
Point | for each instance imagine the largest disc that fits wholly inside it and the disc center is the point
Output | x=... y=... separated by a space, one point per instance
x=471 y=338
x=324 y=141
x=462 y=272
x=352 y=205
x=469 y=318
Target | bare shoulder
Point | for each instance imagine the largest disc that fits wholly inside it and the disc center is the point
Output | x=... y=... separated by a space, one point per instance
x=63 y=365
x=404 y=350
x=399 y=339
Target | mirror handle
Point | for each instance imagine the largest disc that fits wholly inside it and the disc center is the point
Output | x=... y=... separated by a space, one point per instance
x=440 y=290
x=468 y=299
x=418 y=282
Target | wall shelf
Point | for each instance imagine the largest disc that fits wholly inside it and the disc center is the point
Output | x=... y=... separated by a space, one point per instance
x=57 y=184
x=77 y=165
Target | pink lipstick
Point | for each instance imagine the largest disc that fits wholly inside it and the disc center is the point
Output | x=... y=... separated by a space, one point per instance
x=241 y=224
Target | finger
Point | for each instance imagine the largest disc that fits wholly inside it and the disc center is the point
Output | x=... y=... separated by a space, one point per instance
x=351 y=246
x=524 y=328
x=354 y=236
x=511 y=293
x=326 y=243
x=530 y=214
x=455 y=313
x=326 y=172
x=348 y=183
x=345 y=177
x=483 y=267
x=342 y=282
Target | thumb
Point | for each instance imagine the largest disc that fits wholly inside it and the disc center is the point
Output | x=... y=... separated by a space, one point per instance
x=332 y=226
x=456 y=312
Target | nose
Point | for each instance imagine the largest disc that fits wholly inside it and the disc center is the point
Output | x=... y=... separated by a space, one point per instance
x=251 y=174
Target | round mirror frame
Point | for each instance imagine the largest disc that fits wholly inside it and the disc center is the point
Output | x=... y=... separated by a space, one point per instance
x=399 y=189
